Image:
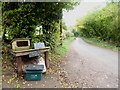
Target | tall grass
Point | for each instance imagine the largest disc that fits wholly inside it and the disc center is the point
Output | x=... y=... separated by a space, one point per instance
x=101 y=43
x=61 y=50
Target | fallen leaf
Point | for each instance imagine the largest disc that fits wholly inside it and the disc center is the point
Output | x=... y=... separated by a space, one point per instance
x=17 y=85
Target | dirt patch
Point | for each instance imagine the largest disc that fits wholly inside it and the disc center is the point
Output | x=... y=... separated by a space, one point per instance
x=55 y=77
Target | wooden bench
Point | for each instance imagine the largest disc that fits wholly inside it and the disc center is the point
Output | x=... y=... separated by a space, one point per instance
x=20 y=54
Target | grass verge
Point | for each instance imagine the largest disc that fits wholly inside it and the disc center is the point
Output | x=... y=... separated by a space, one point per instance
x=101 y=43
x=61 y=50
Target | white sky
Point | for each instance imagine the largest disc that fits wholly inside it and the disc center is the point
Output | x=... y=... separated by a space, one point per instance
x=81 y=10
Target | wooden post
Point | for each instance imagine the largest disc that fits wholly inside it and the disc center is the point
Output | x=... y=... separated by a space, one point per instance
x=46 y=59
x=19 y=65
x=61 y=32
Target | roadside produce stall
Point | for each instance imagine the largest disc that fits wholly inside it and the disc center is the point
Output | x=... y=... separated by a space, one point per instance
x=21 y=47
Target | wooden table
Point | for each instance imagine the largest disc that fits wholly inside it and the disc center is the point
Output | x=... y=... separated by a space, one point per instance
x=21 y=53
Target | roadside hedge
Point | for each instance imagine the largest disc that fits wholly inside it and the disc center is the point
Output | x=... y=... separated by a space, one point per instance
x=101 y=24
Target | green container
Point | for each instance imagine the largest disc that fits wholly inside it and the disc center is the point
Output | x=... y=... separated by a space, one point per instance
x=33 y=75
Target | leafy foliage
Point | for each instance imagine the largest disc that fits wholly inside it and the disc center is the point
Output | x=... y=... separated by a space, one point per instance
x=0 y=19
x=20 y=20
x=101 y=24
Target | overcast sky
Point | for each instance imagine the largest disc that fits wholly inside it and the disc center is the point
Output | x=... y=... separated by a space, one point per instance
x=81 y=10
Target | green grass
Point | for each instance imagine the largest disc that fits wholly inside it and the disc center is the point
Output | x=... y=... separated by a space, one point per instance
x=1 y=32
x=61 y=50
x=100 y=43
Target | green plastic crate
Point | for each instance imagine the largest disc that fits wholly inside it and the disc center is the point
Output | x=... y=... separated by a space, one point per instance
x=33 y=75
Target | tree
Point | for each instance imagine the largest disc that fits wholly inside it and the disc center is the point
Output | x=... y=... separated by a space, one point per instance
x=20 y=20
x=101 y=24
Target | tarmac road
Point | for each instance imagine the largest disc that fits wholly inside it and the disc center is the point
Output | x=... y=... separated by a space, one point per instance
x=91 y=66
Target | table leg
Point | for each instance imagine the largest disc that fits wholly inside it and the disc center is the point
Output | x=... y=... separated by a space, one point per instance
x=46 y=59
x=19 y=64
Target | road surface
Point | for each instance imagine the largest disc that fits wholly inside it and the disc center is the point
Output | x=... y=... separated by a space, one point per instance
x=91 y=66
x=85 y=66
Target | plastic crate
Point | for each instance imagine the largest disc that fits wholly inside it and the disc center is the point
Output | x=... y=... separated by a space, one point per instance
x=33 y=75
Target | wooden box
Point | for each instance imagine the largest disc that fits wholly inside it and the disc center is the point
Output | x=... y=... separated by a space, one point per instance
x=20 y=44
